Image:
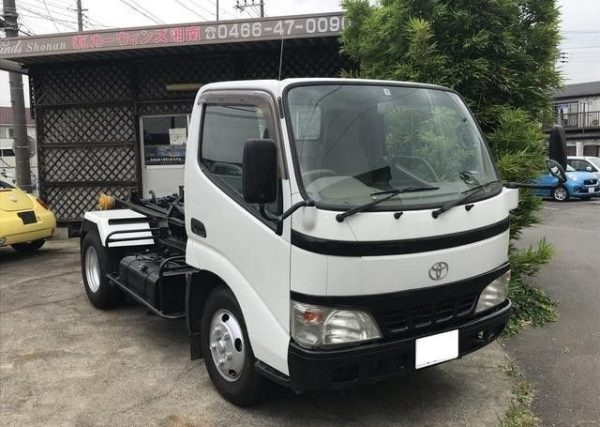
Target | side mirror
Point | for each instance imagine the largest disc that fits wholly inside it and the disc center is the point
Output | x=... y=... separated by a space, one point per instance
x=259 y=171
x=557 y=170
x=588 y=168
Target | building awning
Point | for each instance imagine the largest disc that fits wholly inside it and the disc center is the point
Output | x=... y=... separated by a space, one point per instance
x=177 y=38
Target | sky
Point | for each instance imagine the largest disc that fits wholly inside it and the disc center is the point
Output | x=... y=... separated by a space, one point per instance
x=580 y=26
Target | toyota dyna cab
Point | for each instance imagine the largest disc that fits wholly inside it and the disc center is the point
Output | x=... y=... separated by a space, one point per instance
x=334 y=232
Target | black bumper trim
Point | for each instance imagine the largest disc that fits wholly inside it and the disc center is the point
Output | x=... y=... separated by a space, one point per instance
x=347 y=367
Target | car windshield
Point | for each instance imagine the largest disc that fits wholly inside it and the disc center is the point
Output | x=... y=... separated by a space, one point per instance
x=354 y=141
x=595 y=161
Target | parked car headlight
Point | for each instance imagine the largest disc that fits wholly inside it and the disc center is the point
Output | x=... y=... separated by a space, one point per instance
x=316 y=326
x=495 y=293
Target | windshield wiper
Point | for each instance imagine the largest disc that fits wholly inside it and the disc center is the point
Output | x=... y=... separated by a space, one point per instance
x=388 y=194
x=464 y=197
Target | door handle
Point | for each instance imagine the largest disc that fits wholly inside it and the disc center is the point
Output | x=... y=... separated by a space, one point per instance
x=198 y=228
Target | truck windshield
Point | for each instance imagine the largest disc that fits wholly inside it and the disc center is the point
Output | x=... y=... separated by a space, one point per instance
x=352 y=141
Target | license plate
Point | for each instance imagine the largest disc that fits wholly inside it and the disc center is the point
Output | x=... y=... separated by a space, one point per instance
x=591 y=189
x=27 y=217
x=436 y=349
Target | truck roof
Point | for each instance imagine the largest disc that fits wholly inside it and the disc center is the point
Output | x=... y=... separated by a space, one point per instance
x=277 y=86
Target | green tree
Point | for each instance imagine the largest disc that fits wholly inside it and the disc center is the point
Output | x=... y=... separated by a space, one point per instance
x=500 y=56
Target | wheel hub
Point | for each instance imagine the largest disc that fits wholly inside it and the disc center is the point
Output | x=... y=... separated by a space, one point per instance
x=560 y=193
x=92 y=269
x=227 y=345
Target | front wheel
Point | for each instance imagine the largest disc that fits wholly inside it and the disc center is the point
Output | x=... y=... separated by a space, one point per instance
x=560 y=194
x=227 y=352
x=29 y=246
x=94 y=262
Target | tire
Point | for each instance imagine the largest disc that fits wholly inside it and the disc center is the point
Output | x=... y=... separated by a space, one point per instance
x=29 y=246
x=94 y=262
x=223 y=335
x=560 y=194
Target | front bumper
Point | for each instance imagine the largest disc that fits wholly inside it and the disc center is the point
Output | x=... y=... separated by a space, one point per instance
x=341 y=368
x=584 y=191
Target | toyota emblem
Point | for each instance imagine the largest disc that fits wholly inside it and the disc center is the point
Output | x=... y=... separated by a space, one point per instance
x=438 y=271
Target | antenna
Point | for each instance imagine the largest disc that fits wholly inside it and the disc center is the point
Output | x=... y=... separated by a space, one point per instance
x=281 y=55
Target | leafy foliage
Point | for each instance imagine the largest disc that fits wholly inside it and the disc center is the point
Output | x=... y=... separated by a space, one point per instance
x=499 y=55
x=519 y=413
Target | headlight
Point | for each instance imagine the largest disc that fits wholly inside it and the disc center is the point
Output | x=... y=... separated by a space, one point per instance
x=317 y=326
x=495 y=293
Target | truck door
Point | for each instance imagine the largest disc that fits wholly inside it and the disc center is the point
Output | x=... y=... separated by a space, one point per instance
x=230 y=237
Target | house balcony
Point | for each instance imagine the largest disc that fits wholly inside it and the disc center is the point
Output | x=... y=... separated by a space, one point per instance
x=580 y=121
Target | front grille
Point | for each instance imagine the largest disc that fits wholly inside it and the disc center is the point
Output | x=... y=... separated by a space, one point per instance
x=416 y=312
x=438 y=313
x=590 y=181
x=27 y=217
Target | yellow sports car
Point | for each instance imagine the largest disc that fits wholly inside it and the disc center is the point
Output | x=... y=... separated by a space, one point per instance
x=25 y=222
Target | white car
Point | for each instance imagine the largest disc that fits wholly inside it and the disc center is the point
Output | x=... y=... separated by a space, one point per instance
x=585 y=164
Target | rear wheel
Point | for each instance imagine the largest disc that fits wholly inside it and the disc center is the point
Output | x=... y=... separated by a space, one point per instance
x=227 y=352
x=94 y=262
x=29 y=246
x=560 y=194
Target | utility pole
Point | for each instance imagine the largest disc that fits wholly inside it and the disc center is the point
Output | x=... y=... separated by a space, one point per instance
x=242 y=7
x=79 y=16
x=21 y=145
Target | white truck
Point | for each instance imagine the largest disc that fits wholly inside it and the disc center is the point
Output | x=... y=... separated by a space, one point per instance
x=334 y=232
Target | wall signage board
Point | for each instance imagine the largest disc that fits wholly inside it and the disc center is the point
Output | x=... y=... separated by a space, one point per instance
x=275 y=28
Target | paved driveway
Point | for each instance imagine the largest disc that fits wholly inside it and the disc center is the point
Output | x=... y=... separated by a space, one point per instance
x=62 y=362
x=562 y=359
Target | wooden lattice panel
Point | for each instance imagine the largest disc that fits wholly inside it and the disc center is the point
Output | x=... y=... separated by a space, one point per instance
x=75 y=83
x=156 y=108
x=84 y=164
x=70 y=203
x=84 y=125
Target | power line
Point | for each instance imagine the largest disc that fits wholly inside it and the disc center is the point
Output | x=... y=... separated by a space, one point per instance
x=36 y=15
x=160 y=21
x=581 y=47
x=202 y=7
x=581 y=31
x=50 y=16
x=46 y=7
x=190 y=9
x=153 y=19
x=260 y=6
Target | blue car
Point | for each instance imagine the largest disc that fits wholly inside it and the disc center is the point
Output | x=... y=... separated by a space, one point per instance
x=583 y=185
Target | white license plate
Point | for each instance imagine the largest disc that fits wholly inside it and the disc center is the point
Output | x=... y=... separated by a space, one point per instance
x=591 y=189
x=436 y=349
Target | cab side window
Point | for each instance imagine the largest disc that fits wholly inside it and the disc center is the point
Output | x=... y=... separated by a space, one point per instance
x=226 y=128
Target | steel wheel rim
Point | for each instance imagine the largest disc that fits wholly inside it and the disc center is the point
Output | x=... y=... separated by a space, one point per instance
x=227 y=345
x=92 y=269
x=560 y=194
